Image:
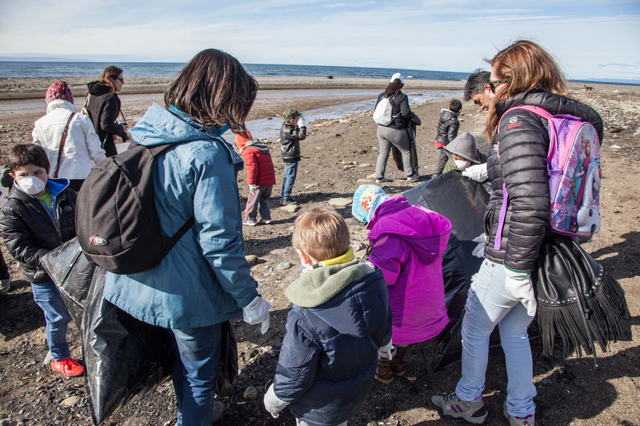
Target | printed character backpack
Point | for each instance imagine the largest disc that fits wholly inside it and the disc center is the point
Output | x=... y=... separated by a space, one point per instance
x=575 y=176
x=383 y=114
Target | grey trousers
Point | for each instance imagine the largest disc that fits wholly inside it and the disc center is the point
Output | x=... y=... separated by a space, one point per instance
x=398 y=138
x=258 y=200
x=440 y=162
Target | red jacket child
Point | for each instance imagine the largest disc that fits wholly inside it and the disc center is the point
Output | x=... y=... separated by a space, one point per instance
x=256 y=156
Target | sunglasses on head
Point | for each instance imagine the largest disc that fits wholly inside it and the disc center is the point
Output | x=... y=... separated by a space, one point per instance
x=492 y=83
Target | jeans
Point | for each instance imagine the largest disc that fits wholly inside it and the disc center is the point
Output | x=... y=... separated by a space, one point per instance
x=490 y=304
x=290 y=171
x=194 y=373
x=441 y=162
x=57 y=317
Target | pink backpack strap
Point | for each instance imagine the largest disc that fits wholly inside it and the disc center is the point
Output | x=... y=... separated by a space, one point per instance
x=497 y=244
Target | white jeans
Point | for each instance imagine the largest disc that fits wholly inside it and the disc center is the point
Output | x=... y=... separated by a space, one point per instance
x=490 y=304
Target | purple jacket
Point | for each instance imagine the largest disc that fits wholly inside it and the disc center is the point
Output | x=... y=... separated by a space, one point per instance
x=408 y=243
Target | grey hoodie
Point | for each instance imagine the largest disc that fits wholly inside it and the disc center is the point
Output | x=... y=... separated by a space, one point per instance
x=464 y=146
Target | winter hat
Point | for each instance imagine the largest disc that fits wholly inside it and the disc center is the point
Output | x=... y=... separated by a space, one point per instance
x=397 y=76
x=59 y=90
x=241 y=141
x=366 y=200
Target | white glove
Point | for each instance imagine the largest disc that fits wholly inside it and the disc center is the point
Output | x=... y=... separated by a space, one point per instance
x=479 y=250
x=272 y=403
x=477 y=172
x=301 y=122
x=521 y=288
x=386 y=351
x=253 y=187
x=257 y=312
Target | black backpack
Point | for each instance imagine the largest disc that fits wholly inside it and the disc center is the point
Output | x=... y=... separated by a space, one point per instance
x=116 y=218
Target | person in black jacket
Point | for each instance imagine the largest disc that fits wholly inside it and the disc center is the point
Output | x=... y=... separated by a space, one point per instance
x=396 y=133
x=293 y=130
x=103 y=106
x=447 y=131
x=339 y=322
x=521 y=74
x=38 y=217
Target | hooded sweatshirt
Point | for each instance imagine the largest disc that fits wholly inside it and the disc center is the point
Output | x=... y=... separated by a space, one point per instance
x=256 y=156
x=104 y=108
x=408 y=243
x=339 y=319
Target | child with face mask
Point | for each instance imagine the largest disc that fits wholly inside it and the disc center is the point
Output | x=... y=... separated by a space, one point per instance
x=464 y=155
x=38 y=217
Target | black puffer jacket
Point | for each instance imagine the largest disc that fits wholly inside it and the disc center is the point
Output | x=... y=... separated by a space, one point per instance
x=290 y=137
x=104 y=108
x=447 y=127
x=29 y=231
x=522 y=166
x=399 y=108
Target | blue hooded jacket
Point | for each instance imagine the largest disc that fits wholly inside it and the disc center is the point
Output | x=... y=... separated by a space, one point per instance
x=205 y=279
x=339 y=319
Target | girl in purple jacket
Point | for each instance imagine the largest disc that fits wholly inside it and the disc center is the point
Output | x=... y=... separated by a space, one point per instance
x=407 y=243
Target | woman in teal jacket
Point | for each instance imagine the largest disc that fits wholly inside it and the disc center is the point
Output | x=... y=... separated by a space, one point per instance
x=205 y=279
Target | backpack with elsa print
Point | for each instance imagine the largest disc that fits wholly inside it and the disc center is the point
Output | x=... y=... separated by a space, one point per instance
x=383 y=114
x=575 y=176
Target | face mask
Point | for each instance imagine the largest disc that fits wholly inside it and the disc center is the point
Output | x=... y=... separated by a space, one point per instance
x=32 y=185
x=462 y=164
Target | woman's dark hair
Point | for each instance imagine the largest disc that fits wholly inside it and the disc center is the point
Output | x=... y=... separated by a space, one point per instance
x=109 y=74
x=393 y=89
x=214 y=88
x=27 y=153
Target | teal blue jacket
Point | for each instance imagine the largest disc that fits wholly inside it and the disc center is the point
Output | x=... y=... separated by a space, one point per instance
x=205 y=279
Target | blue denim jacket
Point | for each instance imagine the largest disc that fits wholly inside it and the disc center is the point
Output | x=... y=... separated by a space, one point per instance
x=205 y=279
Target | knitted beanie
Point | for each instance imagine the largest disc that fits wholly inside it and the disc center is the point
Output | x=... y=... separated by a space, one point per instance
x=59 y=90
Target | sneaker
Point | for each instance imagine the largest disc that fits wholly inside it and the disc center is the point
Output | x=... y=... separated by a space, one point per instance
x=218 y=408
x=383 y=180
x=413 y=177
x=5 y=285
x=250 y=222
x=69 y=367
x=453 y=407
x=519 y=421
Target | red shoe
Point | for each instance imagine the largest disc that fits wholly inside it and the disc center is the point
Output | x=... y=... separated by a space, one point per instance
x=69 y=367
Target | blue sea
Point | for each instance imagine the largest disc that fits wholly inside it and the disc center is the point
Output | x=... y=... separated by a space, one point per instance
x=170 y=69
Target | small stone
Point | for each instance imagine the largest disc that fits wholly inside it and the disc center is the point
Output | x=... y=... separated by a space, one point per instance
x=349 y=163
x=412 y=379
x=252 y=259
x=615 y=147
x=70 y=402
x=251 y=393
x=364 y=180
x=365 y=165
x=285 y=265
x=348 y=167
x=309 y=194
x=290 y=208
x=340 y=202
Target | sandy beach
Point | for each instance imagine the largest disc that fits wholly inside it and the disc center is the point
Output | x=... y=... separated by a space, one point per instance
x=338 y=156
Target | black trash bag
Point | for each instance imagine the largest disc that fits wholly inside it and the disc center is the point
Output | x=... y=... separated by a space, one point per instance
x=228 y=370
x=461 y=200
x=124 y=358
x=72 y=272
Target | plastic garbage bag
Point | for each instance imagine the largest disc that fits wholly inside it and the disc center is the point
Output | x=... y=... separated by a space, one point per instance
x=124 y=358
x=461 y=200
x=71 y=272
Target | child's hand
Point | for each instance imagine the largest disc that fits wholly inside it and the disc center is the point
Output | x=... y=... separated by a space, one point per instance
x=272 y=403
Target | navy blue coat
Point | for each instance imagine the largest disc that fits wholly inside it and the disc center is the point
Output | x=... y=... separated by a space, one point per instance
x=329 y=354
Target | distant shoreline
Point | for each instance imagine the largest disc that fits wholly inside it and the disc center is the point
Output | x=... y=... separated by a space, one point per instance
x=35 y=87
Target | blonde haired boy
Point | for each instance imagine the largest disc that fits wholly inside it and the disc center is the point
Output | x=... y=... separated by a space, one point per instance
x=339 y=319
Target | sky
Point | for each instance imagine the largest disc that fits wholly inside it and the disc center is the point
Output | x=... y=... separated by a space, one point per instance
x=590 y=38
